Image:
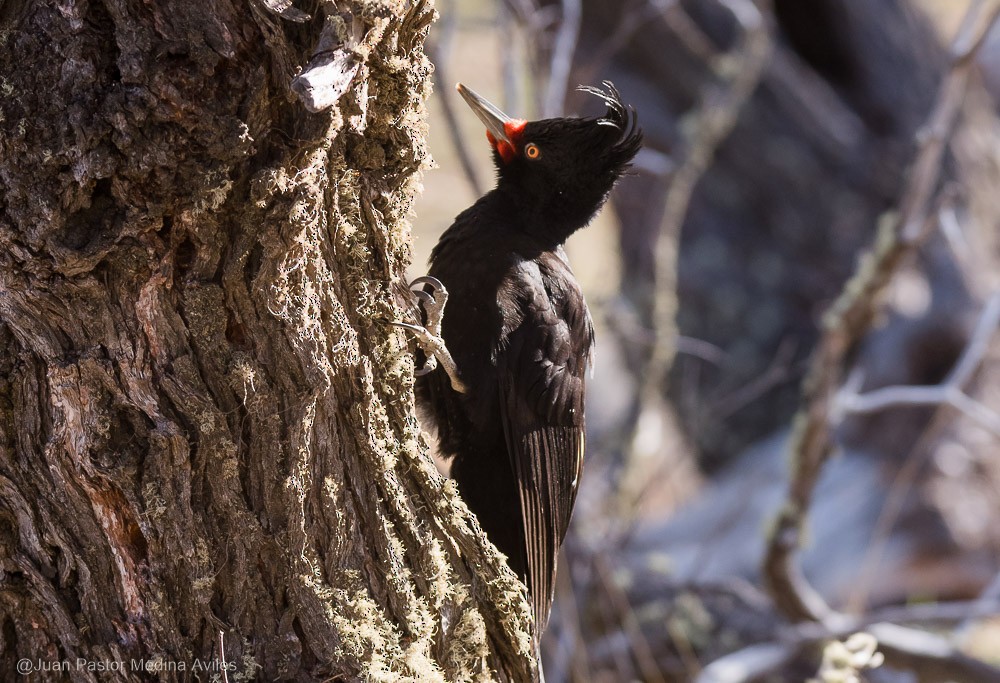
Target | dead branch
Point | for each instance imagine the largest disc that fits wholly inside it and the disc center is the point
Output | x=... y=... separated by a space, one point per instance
x=437 y=55
x=949 y=392
x=930 y=656
x=562 y=57
x=509 y=61
x=990 y=594
x=849 y=319
x=716 y=116
x=641 y=651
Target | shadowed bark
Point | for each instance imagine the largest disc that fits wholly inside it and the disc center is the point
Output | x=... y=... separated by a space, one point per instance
x=206 y=424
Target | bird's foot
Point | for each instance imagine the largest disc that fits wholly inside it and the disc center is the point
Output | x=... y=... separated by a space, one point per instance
x=433 y=302
x=429 y=336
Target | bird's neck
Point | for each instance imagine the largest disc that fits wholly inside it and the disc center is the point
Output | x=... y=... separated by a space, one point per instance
x=547 y=214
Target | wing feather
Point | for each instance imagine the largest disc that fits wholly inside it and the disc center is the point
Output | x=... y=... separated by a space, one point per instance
x=542 y=370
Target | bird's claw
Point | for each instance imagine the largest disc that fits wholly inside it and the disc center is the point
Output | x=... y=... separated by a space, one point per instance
x=429 y=336
x=429 y=280
x=433 y=301
x=425 y=297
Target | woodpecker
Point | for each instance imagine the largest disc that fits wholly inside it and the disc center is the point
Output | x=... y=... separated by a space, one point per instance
x=515 y=339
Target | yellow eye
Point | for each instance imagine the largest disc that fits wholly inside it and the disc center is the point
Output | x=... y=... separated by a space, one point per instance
x=531 y=151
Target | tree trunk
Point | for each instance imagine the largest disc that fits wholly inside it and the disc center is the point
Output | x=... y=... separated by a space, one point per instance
x=208 y=452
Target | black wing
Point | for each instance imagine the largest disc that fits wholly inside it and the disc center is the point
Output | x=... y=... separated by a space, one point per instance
x=542 y=371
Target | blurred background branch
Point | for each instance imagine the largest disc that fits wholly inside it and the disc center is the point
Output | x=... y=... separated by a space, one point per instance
x=849 y=319
x=950 y=392
x=739 y=73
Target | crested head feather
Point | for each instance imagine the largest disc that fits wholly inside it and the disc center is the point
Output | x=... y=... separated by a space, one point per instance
x=618 y=116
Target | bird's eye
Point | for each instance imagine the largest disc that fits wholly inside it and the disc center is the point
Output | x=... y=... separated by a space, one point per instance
x=531 y=151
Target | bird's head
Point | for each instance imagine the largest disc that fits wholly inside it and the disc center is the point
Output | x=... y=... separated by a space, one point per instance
x=560 y=170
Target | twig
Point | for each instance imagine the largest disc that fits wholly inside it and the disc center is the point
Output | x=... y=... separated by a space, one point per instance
x=949 y=392
x=891 y=510
x=632 y=20
x=932 y=613
x=716 y=116
x=508 y=60
x=749 y=664
x=569 y=653
x=952 y=231
x=936 y=132
x=447 y=26
x=536 y=22
x=903 y=480
x=990 y=594
x=893 y=397
x=931 y=657
x=621 y=655
x=562 y=57
x=978 y=345
x=921 y=651
x=779 y=371
x=454 y=130
x=816 y=104
x=641 y=651
x=848 y=320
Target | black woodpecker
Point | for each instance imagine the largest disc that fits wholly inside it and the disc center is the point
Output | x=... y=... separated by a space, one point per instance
x=515 y=340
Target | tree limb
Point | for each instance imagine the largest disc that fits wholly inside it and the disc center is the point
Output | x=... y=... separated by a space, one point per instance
x=849 y=319
x=950 y=391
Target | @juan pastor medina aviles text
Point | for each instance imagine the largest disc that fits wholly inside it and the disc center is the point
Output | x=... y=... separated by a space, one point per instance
x=156 y=665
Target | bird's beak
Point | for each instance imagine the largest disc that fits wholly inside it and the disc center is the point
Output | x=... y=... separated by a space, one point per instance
x=496 y=121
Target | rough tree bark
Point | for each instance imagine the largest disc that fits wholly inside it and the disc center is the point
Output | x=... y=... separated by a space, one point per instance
x=207 y=438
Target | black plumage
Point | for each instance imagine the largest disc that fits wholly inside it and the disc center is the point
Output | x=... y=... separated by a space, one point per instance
x=519 y=332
